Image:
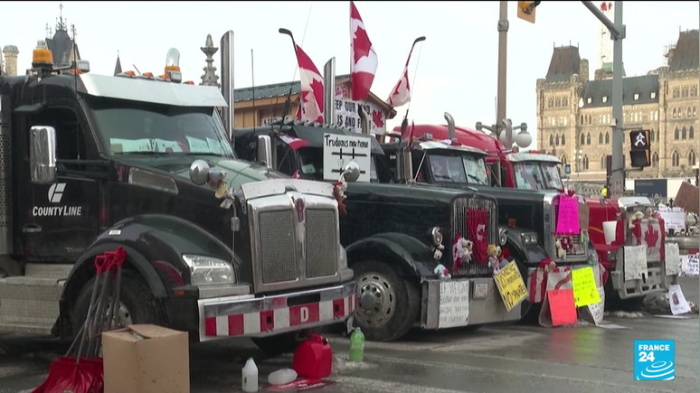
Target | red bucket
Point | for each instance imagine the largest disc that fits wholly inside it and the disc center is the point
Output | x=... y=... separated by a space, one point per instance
x=313 y=358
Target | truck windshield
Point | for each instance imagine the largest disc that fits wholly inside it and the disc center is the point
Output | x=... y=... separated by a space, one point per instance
x=535 y=175
x=131 y=127
x=461 y=168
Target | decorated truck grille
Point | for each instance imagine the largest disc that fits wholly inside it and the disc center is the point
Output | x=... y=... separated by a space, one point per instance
x=475 y=219
x=575 y=250
x=290 y=251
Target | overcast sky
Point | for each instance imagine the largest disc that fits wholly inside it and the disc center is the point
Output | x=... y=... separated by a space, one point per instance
x=456 y=65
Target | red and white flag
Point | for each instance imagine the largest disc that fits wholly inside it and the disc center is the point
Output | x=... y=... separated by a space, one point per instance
x=363 y=57
x=457 y=252
x=294 y=143
x=311 y=96
x=401 y=93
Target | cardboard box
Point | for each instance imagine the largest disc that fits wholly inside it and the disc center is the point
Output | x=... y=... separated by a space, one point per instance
x=146 y=359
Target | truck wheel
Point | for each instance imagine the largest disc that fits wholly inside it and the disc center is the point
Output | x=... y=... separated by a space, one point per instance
x=388 y=304
x=285 y=342
x=138 y=305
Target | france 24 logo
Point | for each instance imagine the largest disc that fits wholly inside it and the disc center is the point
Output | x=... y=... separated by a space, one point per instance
x=654 y=360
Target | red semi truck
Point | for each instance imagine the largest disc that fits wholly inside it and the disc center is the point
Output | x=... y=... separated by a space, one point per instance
x=538 y=171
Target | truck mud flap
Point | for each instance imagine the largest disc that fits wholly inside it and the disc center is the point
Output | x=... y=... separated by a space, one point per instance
x=238 y=316
x=462 y=302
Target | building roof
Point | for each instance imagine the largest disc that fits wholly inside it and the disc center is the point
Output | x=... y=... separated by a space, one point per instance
x=685 y=56
x=282 y=89
x=643 y=85
x=61 y=46
x=565 y=62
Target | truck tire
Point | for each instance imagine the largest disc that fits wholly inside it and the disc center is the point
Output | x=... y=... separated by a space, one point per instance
x=285 y=342
x=138 y=305
x=391 y=304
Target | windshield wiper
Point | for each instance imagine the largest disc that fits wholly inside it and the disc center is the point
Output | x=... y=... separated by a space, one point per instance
x=211 y=154
x=475 y=178
x=444 y=177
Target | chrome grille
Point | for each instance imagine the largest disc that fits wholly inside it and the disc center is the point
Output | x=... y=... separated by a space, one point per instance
x=277 y=246
x=462 y=208
x=321 y=243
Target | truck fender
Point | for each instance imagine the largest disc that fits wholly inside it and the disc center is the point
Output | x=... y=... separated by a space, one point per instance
x=411 y=256
x=147 y=239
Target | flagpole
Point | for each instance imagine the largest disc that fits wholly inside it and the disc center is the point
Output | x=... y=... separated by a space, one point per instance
x=404 y=122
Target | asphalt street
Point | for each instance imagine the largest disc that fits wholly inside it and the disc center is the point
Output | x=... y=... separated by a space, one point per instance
x=504 y=359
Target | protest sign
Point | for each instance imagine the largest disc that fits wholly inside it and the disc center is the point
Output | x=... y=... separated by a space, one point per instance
x=511 y=285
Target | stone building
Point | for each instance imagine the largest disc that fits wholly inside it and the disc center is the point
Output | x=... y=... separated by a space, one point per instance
x=10 y=53
x=574 y=113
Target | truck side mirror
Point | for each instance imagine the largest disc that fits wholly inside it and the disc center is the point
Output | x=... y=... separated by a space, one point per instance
x=265 y=150
x=42 y=154
x=351 y=172
x=199 y=172
x=404 y=165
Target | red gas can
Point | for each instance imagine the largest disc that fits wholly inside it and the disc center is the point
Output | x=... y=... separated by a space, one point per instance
x=313 y=358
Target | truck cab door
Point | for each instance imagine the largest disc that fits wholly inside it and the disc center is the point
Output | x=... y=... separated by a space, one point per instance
x=58 y=221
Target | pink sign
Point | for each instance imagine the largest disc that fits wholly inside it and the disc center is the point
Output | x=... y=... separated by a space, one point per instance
x=567 y=216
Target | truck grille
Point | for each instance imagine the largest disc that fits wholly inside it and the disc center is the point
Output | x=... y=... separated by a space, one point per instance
x=282 y=240
x=478 y=211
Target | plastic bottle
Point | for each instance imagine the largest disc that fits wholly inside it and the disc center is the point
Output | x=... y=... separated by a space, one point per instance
x=282 y=377
x=357 y=345
x=250 y=376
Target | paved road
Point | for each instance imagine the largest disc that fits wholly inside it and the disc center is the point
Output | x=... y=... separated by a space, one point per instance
x=504 y=359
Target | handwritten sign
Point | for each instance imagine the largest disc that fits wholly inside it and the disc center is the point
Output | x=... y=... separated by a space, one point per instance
x=567 y=216
x=339 y=150
x=674 y=219
x=598 y=309
x=454 y=303
x=691 y=265
x=561 y=307
x=511 y=285
x=635 y=260
x=346 y=112
x=585 y=288
x=677 y=301
x=673 y=261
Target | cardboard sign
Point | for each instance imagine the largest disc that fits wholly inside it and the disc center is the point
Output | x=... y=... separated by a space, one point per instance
x=585 y=289
x=568 y=216
x=454 y=303
x=558 y=308
x=597 y=310
x=339 y=150
x=635 y=260
x=511 y=285
x=673 y=220
x=690 y=265
x=583 y=214
x=677 y=301
x=673 y=261
x=687 y=197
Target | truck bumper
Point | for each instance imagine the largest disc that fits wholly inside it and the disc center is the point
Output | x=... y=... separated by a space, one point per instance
x=654 y=281
x=462 y=302
x=238 y=316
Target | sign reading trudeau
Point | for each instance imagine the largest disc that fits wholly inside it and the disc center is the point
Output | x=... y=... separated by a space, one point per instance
x=654 y=360
x=339 y=150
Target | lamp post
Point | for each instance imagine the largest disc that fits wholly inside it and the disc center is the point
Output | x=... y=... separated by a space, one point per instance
x=504 y=133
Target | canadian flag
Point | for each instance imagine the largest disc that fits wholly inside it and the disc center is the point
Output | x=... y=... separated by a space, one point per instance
x=401 y=94
x=294 y=143
x=311 y=97
x=364 y=58
x=457 y=252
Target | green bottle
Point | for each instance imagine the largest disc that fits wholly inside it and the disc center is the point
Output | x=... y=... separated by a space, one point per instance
x=357 y=345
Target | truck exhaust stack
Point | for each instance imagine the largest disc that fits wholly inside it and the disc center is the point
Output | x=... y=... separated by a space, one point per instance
x=227 y=80
x=451 y=127
x=364 y=119
x=329 y=92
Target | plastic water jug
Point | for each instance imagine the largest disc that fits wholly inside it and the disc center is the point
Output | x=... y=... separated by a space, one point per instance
x=357 y=345
x=250 y=376
x=282 y=377
x=313 y=358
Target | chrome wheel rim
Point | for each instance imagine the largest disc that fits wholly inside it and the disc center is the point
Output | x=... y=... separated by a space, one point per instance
x=377 y=300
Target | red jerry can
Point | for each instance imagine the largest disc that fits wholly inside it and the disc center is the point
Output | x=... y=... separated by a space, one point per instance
x=313 y=358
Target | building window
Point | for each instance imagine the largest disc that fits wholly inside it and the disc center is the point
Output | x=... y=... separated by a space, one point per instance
x=693 y=90
x=675 y=159
x=652 y=135
x=636 y=96
x=551 y=140
x=655 y=160
x=684 y=133
x=600 y=138
x=588 y=139
x=684 y=91
x=676 y=133
x=605 y=99
x=585 y=163
x=690 y=112
x=581 y=118
x=563 y=141
x=557 y=140
x=676 y=92
x=653 y=95
x=565 y=102
x=563 y=159
x=549 y=103
x=691 y=133
x=590 y=100
x=607 y=138
x=583 y=139
x=695 y=111
x=691 y=158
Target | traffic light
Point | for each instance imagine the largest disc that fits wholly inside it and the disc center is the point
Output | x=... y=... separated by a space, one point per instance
x=526 y=10
x=640 y=149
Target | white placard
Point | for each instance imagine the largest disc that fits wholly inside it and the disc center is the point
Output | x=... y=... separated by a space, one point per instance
x=673 y=259
x=635 y=260
x=673 y=220
x=598 y=309
x=346 y=112
x=339 y=150
x=677 y=301
x=690 y=265
x=454 y=303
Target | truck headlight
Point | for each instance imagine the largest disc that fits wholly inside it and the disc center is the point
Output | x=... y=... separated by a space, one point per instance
x=342 y=258
x=611 y=255
x=529 y=238
x=208 y=270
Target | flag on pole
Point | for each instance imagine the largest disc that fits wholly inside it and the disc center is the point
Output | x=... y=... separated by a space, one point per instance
x=311 y=95
x=364 y=59
x=401 y=93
